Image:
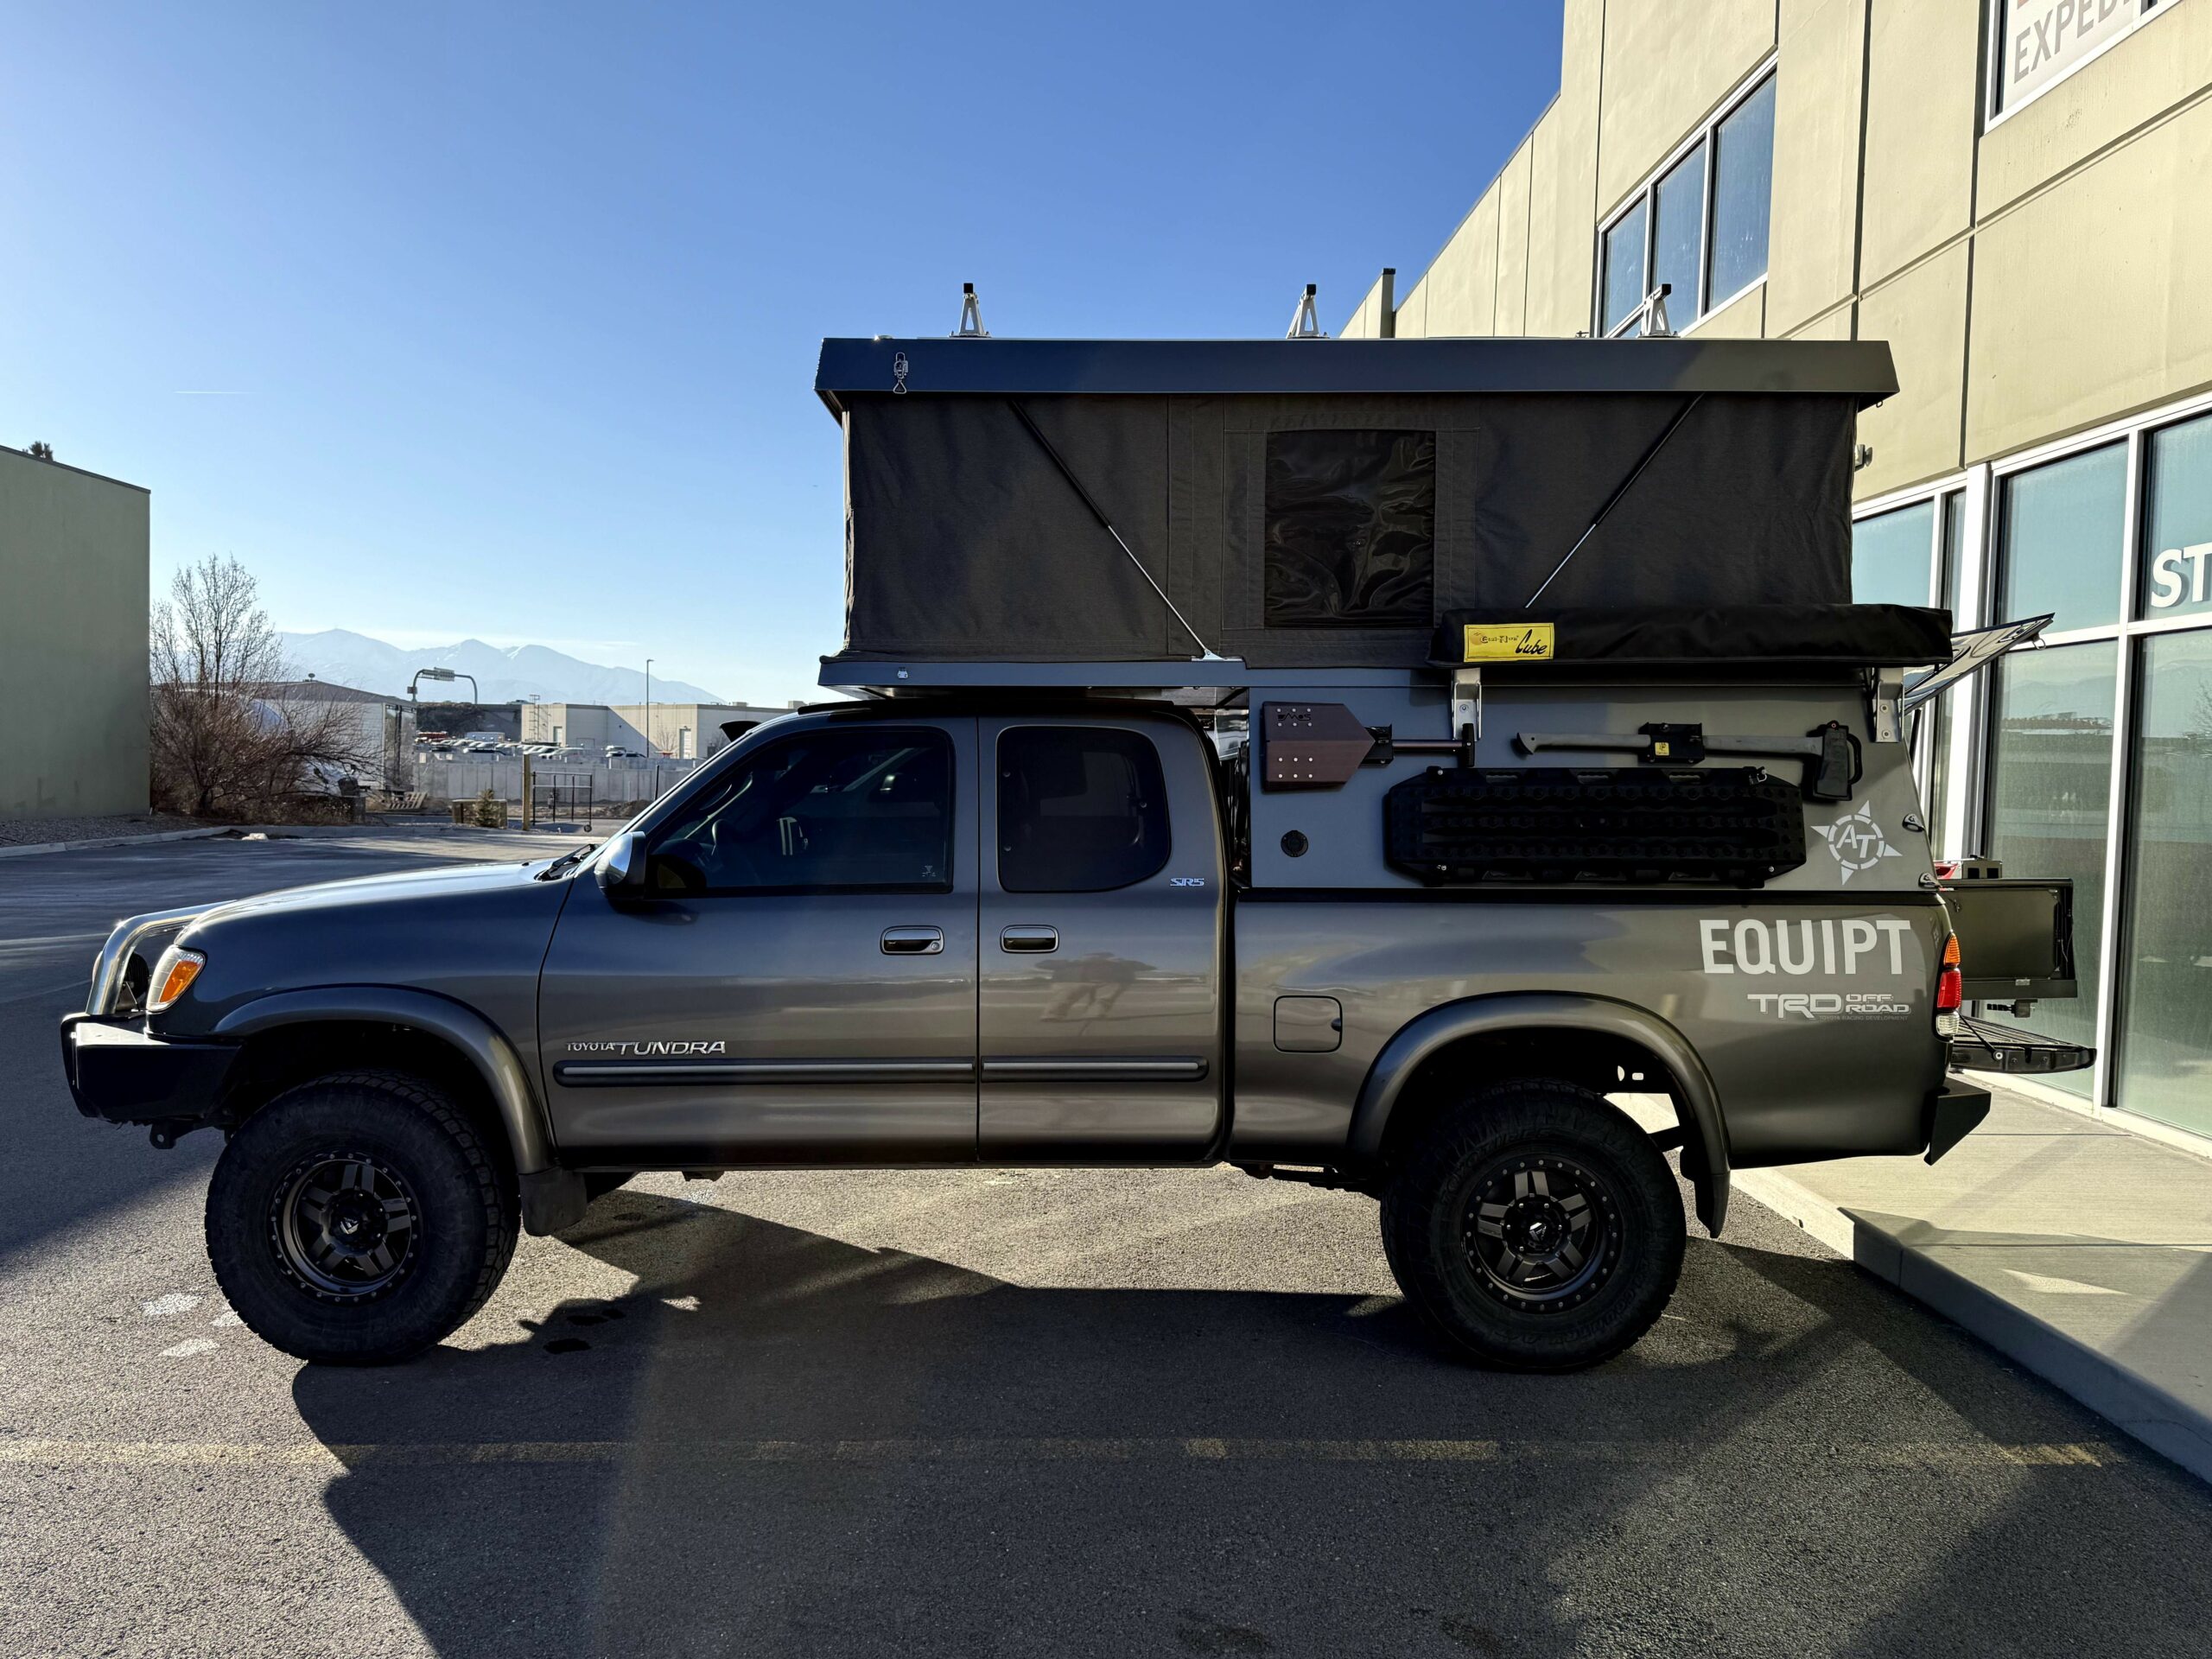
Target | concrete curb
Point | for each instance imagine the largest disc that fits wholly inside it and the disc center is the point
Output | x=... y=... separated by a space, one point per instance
x=287 y=831
x=109 y=841
x=2172 y=1428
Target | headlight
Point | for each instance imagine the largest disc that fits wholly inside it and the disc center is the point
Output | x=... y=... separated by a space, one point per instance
x=173 y=976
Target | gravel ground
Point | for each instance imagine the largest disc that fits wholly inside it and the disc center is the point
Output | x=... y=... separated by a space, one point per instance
x=33 y=832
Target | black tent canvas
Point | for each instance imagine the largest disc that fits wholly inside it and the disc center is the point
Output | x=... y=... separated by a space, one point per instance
x=1327 y=502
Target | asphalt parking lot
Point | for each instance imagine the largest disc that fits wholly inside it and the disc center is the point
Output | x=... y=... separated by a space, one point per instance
x=991 y=1413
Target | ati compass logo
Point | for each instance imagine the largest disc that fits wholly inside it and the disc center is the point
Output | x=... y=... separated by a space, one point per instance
x=1857 y=842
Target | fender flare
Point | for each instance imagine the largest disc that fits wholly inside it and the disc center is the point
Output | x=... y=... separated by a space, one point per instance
x=1423 y=1036
x=487 y=1049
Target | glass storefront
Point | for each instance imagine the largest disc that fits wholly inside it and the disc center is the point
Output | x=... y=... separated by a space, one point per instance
x=2163 y=1029
x=2103 y=737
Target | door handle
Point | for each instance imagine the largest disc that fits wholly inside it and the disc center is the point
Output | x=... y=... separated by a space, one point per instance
x=912 y=941
x=1029 y=936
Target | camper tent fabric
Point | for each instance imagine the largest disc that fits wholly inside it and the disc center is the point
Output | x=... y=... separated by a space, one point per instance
x=1323 y=528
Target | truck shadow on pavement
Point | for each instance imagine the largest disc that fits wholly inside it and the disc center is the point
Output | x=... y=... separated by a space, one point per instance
x=777 y=1442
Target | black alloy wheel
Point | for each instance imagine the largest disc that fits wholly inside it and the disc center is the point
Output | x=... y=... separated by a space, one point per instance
x=1534 y=1227
x=344 y=1225
x=359 y=1218
x=1543 y=1232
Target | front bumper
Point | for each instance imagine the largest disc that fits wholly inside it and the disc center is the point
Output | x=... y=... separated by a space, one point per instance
x=118 y=1073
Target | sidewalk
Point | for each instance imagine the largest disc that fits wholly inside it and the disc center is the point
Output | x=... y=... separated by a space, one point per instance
x=2079 y=1249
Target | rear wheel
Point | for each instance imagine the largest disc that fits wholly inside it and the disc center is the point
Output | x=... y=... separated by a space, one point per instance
x=358 y=1219
x=1536 y=1228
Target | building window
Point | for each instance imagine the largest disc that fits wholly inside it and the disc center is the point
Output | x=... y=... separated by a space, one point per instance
x=1891 y=555
x=1623 y=283
x=1743 y=192
x=2175 y=578
x=2059 y=540
x=2050 y=803
x=1699 y=225
x=1939 y=717
x=1678 y=230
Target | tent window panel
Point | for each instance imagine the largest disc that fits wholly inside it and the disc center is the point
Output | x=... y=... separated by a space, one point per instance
x=1350 y=530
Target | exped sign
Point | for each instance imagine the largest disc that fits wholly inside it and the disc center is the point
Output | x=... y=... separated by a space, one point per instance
x=2044 y=39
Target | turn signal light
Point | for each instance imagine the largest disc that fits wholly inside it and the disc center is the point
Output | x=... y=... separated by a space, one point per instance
x=174 y=976
x=1950 y=984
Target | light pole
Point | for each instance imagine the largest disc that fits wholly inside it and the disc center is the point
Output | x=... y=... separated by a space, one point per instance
x=475 y=696
x=650 y=744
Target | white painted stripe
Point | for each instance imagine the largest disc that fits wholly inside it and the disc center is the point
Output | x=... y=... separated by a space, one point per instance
x=1919 y=1454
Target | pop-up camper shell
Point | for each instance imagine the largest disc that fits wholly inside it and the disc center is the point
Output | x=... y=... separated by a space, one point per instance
x=1311 y=503
x=1465 y=612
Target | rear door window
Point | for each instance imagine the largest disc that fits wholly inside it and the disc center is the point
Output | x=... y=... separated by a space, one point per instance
x=1082 y=809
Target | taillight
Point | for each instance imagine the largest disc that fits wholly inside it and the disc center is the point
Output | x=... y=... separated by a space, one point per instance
x=1950 y=988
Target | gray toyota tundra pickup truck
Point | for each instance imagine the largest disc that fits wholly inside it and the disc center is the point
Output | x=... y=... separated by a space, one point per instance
x=1397 y=905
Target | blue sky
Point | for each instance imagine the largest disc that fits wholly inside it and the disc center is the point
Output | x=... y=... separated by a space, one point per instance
x=464 y=320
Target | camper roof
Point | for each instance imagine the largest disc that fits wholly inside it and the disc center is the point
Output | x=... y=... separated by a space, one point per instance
x=1858 y=369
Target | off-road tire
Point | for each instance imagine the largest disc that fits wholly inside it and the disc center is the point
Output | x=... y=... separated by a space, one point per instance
x=1513 y=1144
x=425 y=1158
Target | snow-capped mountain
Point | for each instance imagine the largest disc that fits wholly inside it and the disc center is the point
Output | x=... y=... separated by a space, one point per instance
x=507 y=675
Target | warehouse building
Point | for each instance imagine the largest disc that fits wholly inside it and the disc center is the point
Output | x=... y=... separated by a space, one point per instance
x=2013 y=194
x=372 y=736
x=683 y=731
x=73 y=640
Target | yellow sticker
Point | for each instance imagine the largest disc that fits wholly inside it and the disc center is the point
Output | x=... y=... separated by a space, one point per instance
x=1504 y=642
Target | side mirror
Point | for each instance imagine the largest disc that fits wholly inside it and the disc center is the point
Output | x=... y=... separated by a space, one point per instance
x=622 y=866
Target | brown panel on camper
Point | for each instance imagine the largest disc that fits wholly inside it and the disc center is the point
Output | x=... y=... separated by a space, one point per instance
x=1350 y=537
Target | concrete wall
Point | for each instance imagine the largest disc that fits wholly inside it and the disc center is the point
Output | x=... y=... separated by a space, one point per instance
x=72 y=641
x=594 y=725
x=587 y=725
x=2040 y=276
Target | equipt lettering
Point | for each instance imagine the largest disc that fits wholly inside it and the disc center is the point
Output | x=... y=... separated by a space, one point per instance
x=1756 y=947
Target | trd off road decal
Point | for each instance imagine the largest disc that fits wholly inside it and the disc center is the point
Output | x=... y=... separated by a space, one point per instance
x=1830 y=947
x=1857 y=842
x=647 y=1050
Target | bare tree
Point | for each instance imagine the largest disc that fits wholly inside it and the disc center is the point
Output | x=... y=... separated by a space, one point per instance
x=228 y=740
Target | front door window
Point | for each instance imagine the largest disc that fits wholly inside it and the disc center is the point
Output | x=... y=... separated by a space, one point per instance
x=826 y=811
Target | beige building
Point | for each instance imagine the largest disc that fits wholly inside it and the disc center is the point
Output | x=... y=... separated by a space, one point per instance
x=2017 y=195
x=683 y=731
x=73 y=640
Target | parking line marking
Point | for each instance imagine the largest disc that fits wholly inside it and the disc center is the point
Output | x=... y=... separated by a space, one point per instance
x=1941 y=1454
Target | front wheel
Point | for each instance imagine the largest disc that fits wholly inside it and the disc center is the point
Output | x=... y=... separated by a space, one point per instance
x=1534 y=1227
x=358 y=1219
